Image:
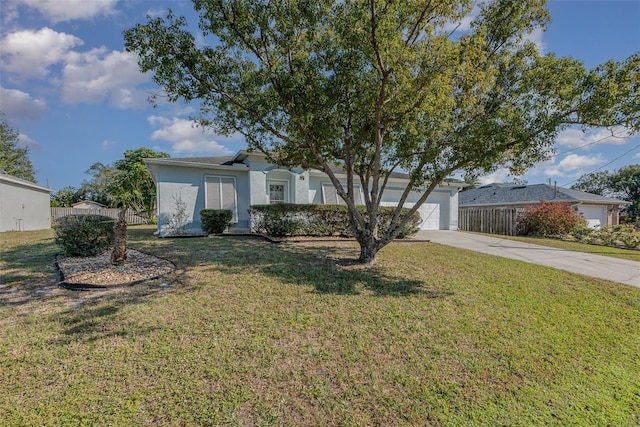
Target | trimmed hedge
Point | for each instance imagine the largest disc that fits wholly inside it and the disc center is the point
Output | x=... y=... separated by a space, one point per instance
x=215 y=221
x=84 y=235
x=288 y=219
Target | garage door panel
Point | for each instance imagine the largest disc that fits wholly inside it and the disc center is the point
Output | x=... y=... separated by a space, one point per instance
x=429 y=213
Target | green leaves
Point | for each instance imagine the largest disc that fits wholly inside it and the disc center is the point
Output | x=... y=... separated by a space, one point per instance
x=132 y=185
x=380 y=87
x=14 y=160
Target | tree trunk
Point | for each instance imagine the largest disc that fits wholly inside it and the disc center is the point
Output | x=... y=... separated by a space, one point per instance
x=369 y=247
x=119 y=253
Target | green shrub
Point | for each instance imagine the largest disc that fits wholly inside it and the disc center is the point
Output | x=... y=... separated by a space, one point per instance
x=286 y=219
x=581 y=232
x=618 y=235
x=84 y=235
x=215 y=221
x=550 y=219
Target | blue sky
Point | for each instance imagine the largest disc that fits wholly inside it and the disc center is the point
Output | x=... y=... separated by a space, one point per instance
x=76 y=97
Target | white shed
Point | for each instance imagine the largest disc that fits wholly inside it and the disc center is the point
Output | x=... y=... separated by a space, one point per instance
x=24 y=205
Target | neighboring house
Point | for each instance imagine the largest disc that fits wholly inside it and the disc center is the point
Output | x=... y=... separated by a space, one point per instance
x=88 y=204
x=24 y=205
x=597 y=210
x=237 y=182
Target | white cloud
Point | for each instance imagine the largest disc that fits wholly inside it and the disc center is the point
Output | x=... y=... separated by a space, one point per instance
x=25 y=141
x=186 y=137
x=499 y=175
x=574 y=138
x=20 y=105
x=574 y=163
x=97 y=75
x=67 y=10
x=106 y=144
x=157 y=12
x=29 y=54
x=535 y=37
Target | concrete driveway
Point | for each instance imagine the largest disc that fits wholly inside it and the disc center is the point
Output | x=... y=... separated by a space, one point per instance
x=614 y=269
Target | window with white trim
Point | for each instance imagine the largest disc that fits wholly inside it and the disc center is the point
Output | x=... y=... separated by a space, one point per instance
x=330 y=195
x=220 y=193
x=278 y=191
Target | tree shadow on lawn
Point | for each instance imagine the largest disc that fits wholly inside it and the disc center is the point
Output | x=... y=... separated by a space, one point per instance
x=330 y=268
x=27 y=272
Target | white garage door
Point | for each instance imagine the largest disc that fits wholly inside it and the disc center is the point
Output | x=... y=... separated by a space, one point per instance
x=430 y=211
x=595 y=215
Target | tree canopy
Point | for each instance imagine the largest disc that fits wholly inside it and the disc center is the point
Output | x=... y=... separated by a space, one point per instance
x=623 y=184
x=627 y=182
x=65 y=197
x=97 y=188
x=595 y=183
x=14 y=160
x=131 y=184
x=381 y=87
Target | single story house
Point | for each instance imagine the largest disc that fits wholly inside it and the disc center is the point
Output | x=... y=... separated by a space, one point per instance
x=24 y=206
x=245 y=179
x=88 y=204
x=597 y=210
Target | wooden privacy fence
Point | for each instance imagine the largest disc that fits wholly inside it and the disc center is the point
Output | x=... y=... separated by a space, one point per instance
x=505 y=221
x=130 y=216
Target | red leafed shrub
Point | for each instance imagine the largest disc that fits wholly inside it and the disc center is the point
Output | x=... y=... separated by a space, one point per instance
x=550 y=219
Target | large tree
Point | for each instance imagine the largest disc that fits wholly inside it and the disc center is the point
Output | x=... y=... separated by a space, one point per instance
x=14 y=160
x=381 y=86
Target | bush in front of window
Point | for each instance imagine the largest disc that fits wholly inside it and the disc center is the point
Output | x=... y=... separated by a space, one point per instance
x=288 y=219
x=84 y=235
x=215 y=221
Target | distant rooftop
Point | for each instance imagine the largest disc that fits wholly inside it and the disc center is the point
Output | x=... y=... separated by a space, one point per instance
x=512 y=194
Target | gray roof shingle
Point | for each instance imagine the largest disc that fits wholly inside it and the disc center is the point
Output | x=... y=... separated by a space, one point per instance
x=511 y=194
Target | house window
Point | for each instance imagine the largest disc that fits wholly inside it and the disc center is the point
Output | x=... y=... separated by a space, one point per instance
x=278 y=191
x=330 y=195
x=220 y=193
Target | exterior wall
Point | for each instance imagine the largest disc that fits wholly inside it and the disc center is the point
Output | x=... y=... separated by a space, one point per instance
x=447 y=199
x=261 y=172
x=187 y=184
x=23 y=208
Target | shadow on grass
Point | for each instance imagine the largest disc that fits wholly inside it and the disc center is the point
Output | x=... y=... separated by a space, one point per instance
x=324 y=267
x=328 y=267
x=27 y=272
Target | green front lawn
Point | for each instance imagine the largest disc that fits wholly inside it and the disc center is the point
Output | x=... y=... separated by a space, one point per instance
x=252 y=333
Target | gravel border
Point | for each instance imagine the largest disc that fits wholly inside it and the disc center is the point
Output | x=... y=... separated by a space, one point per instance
x=87 y=273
